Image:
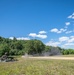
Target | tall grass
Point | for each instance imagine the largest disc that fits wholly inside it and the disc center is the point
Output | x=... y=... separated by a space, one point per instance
x=37 y=67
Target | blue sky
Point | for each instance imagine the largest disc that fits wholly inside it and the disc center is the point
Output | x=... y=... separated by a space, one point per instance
x=51 y=21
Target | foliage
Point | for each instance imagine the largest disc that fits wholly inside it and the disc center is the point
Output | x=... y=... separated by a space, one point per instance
x=20 y=47
x=67 y=51
x=4 y=48
x=47 y=48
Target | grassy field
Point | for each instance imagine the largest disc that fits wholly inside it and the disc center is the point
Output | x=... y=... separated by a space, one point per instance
x=26 y=66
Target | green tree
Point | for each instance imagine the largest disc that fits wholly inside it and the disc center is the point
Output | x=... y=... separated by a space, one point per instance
x=29 y=47
x=47 y=48
x=38 y=46
x=19 y=45
x=3 y=49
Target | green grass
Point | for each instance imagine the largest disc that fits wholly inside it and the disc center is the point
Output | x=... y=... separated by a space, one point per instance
x=37 y=67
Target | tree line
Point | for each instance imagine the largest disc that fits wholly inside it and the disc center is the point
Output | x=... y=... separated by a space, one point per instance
x=20 y=47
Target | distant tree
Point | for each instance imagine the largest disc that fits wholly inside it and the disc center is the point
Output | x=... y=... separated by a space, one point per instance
x=19 y=45
x=14 y=39
x=34 y=46
x=38 y=46
x=47 y=48
x=3 y=49
x=1 y=39
x=29 y=47
x=67 y=51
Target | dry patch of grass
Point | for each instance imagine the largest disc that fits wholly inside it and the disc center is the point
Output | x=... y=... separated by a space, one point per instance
x=27 y=66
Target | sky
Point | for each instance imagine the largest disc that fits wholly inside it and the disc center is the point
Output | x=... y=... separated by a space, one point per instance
x=51 y=21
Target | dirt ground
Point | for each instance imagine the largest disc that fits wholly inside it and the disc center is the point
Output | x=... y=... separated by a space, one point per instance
x=54 y=57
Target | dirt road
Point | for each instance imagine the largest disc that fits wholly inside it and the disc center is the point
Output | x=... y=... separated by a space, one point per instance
x=53 y=57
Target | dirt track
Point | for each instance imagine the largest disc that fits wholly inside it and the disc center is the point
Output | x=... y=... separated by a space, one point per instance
x=53 y=57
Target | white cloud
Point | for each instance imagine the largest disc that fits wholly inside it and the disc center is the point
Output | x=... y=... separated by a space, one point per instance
x=38 y=35
x=64 y=42
x=33 y=34
x=55 y=30
x=42 y=36
x=67 y=32
x=23 y=38
x=11 y=38
x=20 y=38
x=52 y=43
x=67 y=39
x=71 y=36
x=63 y=30
x=69 y=44
x=66 y=27
x=71 y=16
x=42 y=32
x=71 y=39
x=67 y=23
x=63 y=39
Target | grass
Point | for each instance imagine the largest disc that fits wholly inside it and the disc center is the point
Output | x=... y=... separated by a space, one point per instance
x=37 y=67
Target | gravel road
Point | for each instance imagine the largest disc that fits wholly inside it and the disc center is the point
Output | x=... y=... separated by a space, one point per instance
x=53 y=57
